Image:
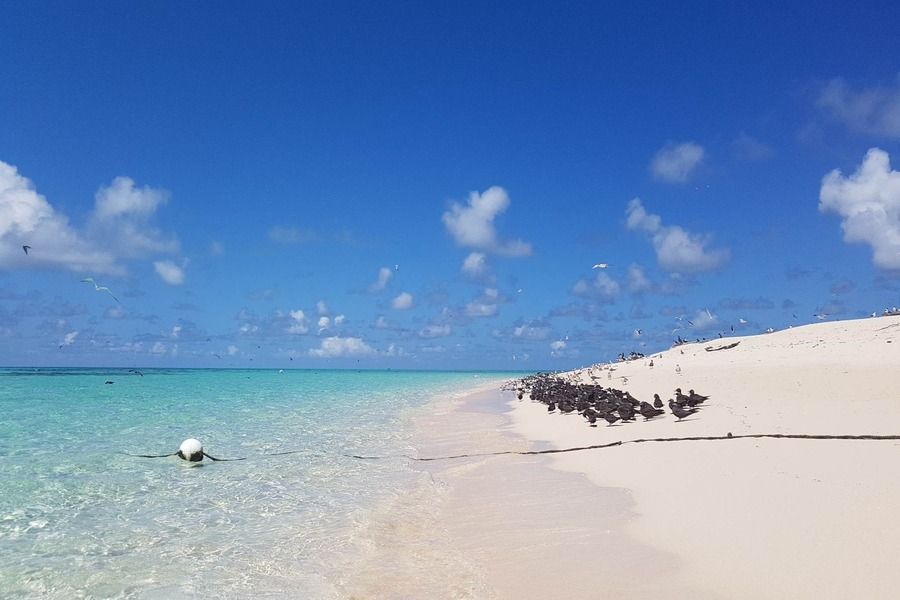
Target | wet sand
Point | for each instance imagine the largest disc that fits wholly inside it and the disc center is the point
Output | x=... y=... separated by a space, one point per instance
x=506 y=526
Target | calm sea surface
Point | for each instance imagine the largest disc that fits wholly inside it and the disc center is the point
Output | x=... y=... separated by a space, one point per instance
x=81 y=519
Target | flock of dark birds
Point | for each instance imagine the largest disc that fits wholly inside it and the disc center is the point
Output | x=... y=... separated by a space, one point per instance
x=595 y=402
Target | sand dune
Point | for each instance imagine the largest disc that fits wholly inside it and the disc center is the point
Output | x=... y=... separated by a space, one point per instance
x=757 y=518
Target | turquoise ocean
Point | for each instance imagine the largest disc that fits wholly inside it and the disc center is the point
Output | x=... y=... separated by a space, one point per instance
x=79 y=518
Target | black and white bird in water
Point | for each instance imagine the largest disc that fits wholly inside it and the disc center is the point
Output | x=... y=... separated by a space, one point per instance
x=100 y=288
x=26 y=249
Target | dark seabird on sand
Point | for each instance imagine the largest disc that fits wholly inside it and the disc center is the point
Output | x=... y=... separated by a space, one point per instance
x=626 y=411
x=694 y=398
x=680 y=398
x=657 y=401
x=680 y=411
x=648 y=412
x=610 y=418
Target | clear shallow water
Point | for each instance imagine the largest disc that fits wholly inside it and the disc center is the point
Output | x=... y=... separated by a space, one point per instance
x=80 y=519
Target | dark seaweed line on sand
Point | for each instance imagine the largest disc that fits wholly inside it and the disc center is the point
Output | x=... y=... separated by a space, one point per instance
x=788 y=436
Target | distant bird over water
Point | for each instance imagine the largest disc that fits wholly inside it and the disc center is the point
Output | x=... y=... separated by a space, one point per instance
x=100 y=288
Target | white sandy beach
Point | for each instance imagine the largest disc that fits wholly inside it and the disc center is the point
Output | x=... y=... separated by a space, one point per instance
x=741 y=518
x=761 y=517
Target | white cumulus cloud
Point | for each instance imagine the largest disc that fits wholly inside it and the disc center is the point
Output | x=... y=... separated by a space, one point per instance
x=299 y=324
x=338 y=347
x=434 y=331
x=232 y=350
x=480 y=309
x=69 y=338
x=674 y=163
x=868 y=202
x=874 y=110
x=321 y=307
x=532 y=331
x=169 y=272
x=604 y=288
x=402 y=301
x=384 y=277
x=27 y=218
x=638 y=283
x=472 y=225
x=475 y=266
x=119 y=227
x=122 y=219
x=677 y=250
x=558 y=348
x=485 y=305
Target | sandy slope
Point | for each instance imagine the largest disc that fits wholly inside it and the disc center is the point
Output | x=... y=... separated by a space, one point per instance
x=760 y=517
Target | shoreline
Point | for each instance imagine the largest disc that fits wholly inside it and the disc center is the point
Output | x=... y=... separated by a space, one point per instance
x=745 y=519
x=502 y=526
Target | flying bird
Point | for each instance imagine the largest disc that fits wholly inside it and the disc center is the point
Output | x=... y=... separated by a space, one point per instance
x=742 y=321
x=638 y=332
x=100 y=288
x=26 y=249
x=821 y=316
x=600 y=266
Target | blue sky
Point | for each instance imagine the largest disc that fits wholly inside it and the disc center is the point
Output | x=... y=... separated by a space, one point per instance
x=414 y=186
